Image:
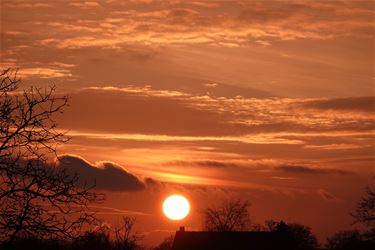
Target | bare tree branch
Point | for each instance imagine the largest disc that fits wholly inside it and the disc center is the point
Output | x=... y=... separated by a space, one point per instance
x=232 y=215
x=36 y=198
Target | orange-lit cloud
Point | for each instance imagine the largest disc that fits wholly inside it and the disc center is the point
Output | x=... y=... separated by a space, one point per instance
x=26 y=4
x=263 y=119
x=170 y=22
x=44 y=73
x=85 y=4
x=328 y=45
x=39 y=71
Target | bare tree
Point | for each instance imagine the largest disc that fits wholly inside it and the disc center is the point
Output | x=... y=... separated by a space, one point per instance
x=125 y=238
x=232 y=215
x=36 y=199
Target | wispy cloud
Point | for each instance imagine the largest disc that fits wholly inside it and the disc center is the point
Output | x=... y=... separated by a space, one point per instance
x=349 y=104
x=340 y=146
x=171 y=22
x=27 y=4
x=253 y=139
x=296 y=169
x=279 y=118
x=38 y=70
x=42 y=72
x=105 y=210
x=147 y=90
x=328 y=196
x=85 y=4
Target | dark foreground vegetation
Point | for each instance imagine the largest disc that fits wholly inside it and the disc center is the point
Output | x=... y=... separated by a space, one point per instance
x=44 y=207
x=295 y=236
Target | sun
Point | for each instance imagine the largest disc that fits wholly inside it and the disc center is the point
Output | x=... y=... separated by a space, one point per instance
x=176 y=207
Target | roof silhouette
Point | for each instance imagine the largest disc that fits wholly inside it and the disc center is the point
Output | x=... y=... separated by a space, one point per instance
x=193 y=240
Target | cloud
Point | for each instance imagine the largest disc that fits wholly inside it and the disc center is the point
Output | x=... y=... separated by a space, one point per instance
x=117 y=211
x=106 y=176
x=263 y=42
x=232 y=24
x=142 y=91
x=298 y=169
x=328 y=196
x=210 y=85
x=361 y=104
x=178 y=116
x=205 y=4
x=338 y=146
x=44 y=72
x=27 y=4
x=35 y=70
x=261 y=165
x=206 y=163
x=86 y=4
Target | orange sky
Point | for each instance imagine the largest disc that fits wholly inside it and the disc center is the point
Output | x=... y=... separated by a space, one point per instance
x=271 y=101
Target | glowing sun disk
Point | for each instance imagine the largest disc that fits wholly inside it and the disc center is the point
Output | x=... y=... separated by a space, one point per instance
x=176 y=207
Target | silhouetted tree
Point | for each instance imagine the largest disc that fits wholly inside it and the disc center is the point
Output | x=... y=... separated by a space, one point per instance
x=349 y=240
x=166 y=244
x=39 y=244
x=300 y=235
x=36 y=200
x=125 y=238
x=365 y=212
x=97 y=239
x=232 y=215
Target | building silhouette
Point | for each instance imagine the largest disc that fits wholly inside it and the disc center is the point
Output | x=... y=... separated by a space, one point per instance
x=194 y=240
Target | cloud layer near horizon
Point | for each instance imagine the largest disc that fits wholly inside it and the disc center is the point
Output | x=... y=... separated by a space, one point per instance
x=181 y=137
x=166 y=113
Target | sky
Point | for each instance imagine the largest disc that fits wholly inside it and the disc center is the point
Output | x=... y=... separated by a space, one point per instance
x=267 y=101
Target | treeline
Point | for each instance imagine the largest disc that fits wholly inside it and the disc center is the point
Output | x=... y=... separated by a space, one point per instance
x=233 y=215
x=103 y=237
x=123 y=238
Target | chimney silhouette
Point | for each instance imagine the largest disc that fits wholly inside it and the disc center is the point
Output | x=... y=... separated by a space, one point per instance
x=182 y=229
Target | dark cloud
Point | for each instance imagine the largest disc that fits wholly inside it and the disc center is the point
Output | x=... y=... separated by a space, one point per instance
x=262 y=165
x=106 y=175
x=151 y=181
x=298 y=169
x=215 y=164
x=328 y=196
x=205 y=163
x=363 y=104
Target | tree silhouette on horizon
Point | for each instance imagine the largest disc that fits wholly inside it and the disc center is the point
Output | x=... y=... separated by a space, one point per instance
x=230 y=215
x=365 y=213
